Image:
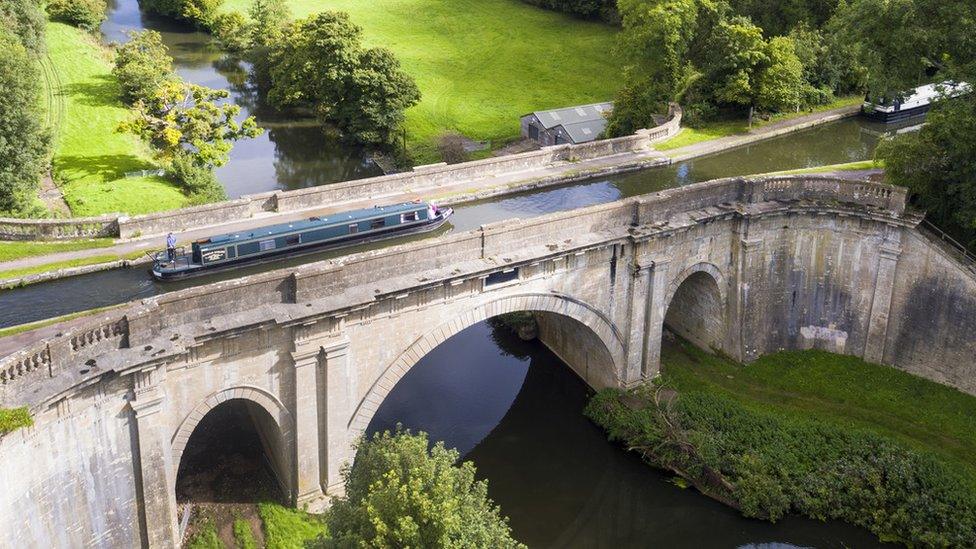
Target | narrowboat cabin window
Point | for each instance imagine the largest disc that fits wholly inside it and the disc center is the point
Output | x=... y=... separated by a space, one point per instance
x=377 y=223
x=266 y=245
x=293 y=240
x=354 y=228
x=408 y=217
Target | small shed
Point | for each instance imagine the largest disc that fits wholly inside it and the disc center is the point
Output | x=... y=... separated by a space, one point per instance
x=568 y=125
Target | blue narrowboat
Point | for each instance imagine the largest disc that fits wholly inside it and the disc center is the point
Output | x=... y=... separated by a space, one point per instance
x=224 y=251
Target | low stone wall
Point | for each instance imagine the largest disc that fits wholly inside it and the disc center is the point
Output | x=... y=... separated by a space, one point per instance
x=135 y=324
x=422 y=177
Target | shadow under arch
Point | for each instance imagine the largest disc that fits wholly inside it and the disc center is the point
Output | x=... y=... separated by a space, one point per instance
x=697 y=305
x=270 y=419
x=553 y=304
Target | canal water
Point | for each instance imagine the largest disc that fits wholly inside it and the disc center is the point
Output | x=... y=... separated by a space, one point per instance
x=515 y=410
x=291 y=154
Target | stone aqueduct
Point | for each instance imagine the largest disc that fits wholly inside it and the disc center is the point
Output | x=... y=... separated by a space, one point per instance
x=742 y=266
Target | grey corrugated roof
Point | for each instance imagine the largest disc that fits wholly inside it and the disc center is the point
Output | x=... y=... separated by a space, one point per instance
x=573 y=115
x=585 y=131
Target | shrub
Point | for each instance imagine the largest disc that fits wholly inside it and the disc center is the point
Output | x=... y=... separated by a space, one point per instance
x=26 y=20
x=400 y=492
x=86 y=14
x=451 y=147
x=142 y=65
x=199 y=182
x=14 y=418
x=231 y=31
x=768 y=465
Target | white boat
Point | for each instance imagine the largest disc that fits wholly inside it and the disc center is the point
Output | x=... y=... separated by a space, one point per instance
x=912 y=103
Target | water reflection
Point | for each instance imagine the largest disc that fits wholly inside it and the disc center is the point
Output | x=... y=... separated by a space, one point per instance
x=515 y=410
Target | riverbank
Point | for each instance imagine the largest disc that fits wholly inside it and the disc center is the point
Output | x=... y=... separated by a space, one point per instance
x=823 y=435
x=90 y=157
x=451 y=193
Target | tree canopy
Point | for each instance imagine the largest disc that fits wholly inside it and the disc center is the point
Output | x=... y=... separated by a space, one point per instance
x=400 y=492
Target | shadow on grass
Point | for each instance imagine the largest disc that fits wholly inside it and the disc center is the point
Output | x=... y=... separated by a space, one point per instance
x=107 y=167
x=100 y=91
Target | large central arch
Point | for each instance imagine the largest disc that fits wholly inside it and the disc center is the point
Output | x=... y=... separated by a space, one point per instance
x=557 y=305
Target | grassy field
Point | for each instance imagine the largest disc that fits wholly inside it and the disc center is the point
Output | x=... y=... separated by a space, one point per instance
x=841 y=389
x=481 y=64
x=90 y=157
x=726 y=128
x=10 y=251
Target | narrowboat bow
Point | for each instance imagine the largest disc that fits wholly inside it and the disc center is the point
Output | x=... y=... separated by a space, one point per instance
x=338 y=230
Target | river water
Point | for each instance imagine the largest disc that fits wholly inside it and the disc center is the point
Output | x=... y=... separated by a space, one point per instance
x=509 y=406
x=515 y=410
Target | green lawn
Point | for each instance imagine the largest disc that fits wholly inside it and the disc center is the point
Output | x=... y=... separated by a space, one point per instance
x=57 y=265
x=481 y=64
x=286 y=528
x=841 y=389
x=726 y=128
x=10 y=251
x=90 y=157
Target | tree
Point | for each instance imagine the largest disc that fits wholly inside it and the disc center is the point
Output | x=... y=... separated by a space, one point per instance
x=198 y=12
x=181 y=118
x=269 y=19
x=320 y=63
x=231 y=31
x=24 y=141
x=739 y=54
x=26 y=20
x=781 y=83
x=142 y=65
x=86 y=14
x=400 y=494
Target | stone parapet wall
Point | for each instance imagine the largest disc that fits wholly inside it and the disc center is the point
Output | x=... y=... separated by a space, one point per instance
x=422 y=177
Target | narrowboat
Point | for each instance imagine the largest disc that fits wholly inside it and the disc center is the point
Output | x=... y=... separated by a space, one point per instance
x=911 y=104
x=225 y=251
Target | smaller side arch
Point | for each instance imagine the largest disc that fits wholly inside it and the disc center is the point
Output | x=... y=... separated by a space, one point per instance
x=701 y=267
x=269 y=402
x=697 y=306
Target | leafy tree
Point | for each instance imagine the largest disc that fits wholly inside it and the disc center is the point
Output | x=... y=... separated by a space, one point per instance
x=198 y=181
x=938 y=165
x=198 y=12
x=739 y=55
x=320 y=63
x=399 y=493
x=26 y=20
x=231 y=31
x=181 y=118
x=829 y=66
x=269 y=19
x=86 y=14
x=142 y=65
x=781 y=83
x=24 y=141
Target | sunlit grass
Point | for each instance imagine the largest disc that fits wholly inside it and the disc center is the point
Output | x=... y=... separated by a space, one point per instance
x=10 y=251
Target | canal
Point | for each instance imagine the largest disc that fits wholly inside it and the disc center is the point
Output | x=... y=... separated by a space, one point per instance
x=509 y=406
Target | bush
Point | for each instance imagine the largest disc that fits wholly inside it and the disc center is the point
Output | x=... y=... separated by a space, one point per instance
x=142 y=65
x=14 y=418
x=199 y=12
x=199 y=182
x=451 y=147
x=590 y=9
x=26 y=20
x=231 y=31
x=24 y=141
x=400 y=492
x=86 y=14
x=768 y=465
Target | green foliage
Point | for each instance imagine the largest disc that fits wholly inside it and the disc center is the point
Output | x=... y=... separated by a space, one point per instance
x=777 y=18
x=142 y=65
x=26 y=20
x=402 y=493
x=602 y=9
x=12 y=419
x=206 y=537
x=232 y=31
x=938 y=165
x=780 y=83
x=739 y=55
x=199 y=182
x=320 y=62
x=182 y=118
x=770 y=464
x=286 y=528
x=24 y=141
x=269 y=19
x=11 y=251
x=86 y=14
x=199 y=12
x=243 y=534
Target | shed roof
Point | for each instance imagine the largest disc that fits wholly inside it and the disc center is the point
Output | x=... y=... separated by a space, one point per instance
x=585 y=131
x=573 y=115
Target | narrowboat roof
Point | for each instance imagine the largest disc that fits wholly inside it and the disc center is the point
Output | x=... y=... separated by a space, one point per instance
x=351 y=216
